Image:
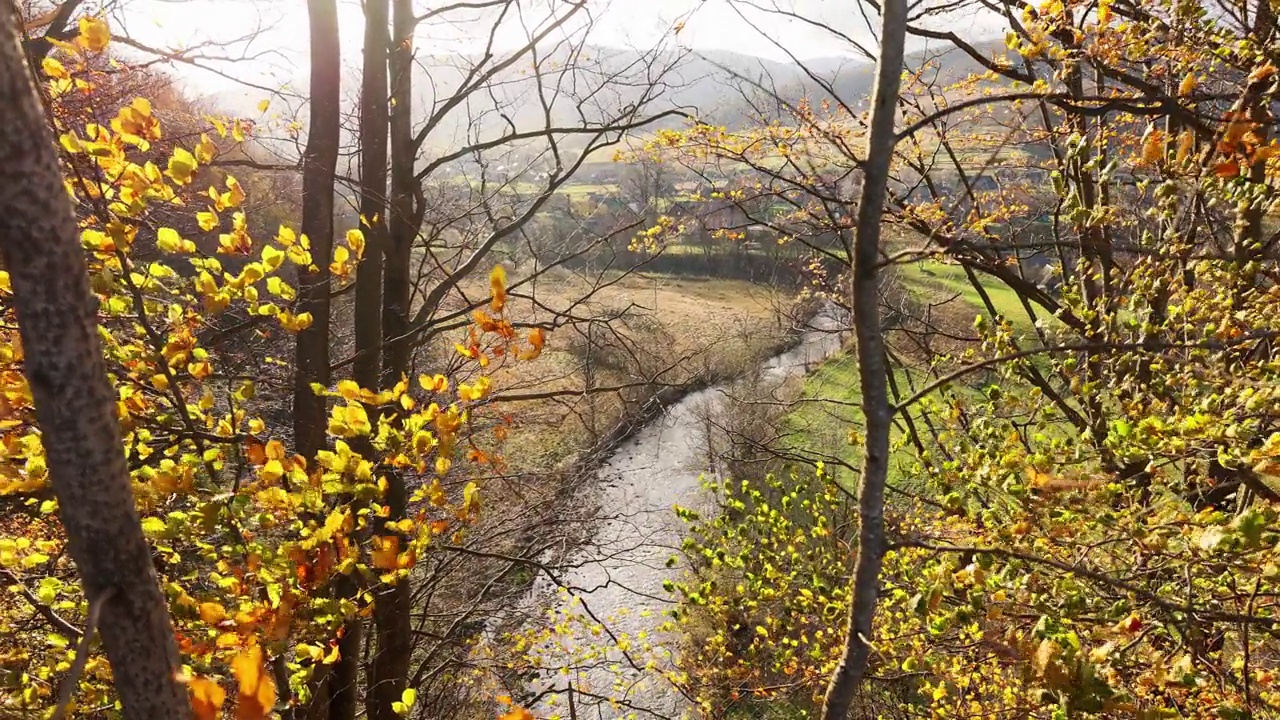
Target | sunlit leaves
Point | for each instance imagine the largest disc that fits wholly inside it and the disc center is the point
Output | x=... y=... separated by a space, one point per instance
x=475 y=391
x=207 y=698
x=182 y=166
x=94 y=34
x=205 y=151
x=257 y=690
x=208 y=220
x=406 y=702
x=498 y=288
x=196 y=308
x=355 y=241
x=54 y=69
x=136 y=123
x=350 y=420
x=537 y=339
x=168 y=240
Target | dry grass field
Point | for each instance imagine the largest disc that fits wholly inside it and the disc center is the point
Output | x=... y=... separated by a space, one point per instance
x=645 y=333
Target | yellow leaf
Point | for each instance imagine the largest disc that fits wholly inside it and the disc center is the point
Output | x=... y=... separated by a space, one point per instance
x=97 y=240
x=355 y=240
x=475 y=391
x=263 y=105
x=498 y=288
x=314 y=653
x=205 y=150
x=435 y=384
x=341 y=258
x=274 y=450
x=296 y=323
x=53 y=68
x=272 y=471
x=272 y=257
x=349 y=389
x=94 y=34
x=537 y=339
x=1186 y=141
x=235 y=193
x=182 y=166
x=168 y=240
x=71 y=143
x=471 y=499
x=208 y=220
x=212 y=613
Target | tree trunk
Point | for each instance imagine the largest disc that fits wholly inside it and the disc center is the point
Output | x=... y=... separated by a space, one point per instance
x=312 y=360
x=872 y=367
x=403 y=220
x=75 y=404
x=319 y=165
x=373 y=194
x=391 y=614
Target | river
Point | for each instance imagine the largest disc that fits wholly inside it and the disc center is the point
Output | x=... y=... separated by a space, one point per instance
x=607 y=645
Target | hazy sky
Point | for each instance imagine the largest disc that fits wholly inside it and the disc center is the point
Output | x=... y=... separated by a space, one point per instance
x=282 y=44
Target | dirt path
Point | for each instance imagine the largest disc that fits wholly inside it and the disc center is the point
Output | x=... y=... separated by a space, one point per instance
x=607 y=646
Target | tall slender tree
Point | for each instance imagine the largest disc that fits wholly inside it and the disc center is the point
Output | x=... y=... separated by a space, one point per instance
x=319 y=167
x=373 y=193
x=75 y=404
x=390 y=670
x=872 y=364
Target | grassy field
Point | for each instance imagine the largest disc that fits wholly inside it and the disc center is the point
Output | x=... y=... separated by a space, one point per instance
x=822 y=422
x=674 y=329
x=935 y=278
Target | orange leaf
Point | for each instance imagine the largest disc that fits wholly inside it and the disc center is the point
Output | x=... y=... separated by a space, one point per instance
x=486 y=323
x=1186 y=142
x=1153 y=145
x=207 y=697
x=1262 y=73
x=385 y=551
x=517 y=714
x=275 y=450
x=257 y=690
x=1227 y=169
x=255 y=453
x=1188 y=84
x=498 y=287
x=537 y=339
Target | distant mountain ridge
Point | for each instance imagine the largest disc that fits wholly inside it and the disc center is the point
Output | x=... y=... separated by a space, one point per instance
x=714 y=85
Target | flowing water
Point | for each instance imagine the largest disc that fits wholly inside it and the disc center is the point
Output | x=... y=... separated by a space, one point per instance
x=613 y=598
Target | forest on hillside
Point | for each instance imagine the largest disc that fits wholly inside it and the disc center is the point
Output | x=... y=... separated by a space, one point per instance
x=490 y=368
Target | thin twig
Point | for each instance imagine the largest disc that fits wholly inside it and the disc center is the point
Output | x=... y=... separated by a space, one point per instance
x=72 y=680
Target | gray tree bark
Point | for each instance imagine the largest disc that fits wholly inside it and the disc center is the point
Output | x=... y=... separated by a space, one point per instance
x=373 y=193
x=391 y=612
x=320 y=160
x=872 y=366
x=75 y=403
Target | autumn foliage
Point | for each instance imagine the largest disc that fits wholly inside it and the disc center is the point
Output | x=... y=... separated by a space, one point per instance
x=247 y=536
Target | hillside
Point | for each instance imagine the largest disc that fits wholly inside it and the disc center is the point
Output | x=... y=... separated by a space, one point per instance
x=716 y=86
